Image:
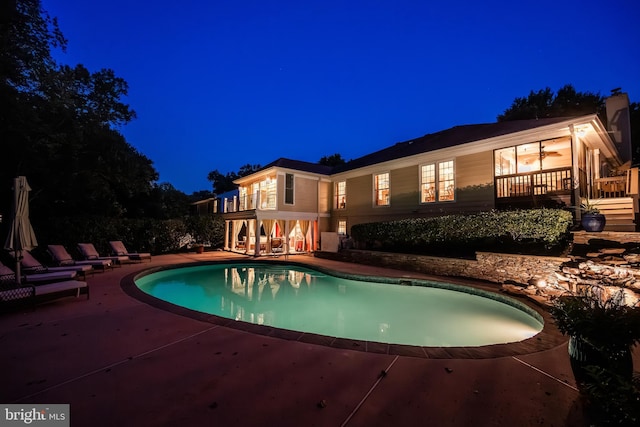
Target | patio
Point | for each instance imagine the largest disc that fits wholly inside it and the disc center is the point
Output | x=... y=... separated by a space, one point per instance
x=119 y=361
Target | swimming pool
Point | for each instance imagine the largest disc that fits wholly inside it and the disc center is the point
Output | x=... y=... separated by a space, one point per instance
x=430 y=314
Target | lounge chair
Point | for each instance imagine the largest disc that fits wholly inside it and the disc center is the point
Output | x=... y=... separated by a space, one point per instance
x=7 y=274
x=14 y=294
x=89 y=252
x=62 y=258
x=32 y=266
x=118 y=248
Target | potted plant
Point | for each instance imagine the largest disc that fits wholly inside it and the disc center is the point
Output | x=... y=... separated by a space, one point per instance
x=602 y=329
x=592 y=220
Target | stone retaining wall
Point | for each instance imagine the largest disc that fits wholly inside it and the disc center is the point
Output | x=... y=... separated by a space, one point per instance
x=539 y=278
x=493 y=267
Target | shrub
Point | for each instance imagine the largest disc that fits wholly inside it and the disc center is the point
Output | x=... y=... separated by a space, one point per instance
x=143 y=235
x=521 y=231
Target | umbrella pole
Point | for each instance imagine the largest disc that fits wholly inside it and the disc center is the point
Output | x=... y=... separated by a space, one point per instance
x=16 y=184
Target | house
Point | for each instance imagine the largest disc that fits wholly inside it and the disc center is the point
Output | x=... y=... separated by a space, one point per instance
x=549 y=162
x=280 y=209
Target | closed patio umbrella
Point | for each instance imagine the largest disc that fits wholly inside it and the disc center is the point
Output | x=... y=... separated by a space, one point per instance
x=21 y=236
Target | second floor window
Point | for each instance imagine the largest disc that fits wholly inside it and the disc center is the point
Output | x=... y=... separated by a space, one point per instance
x=268 y=194
x=437 y=182
x=341 y=195
x=288 y=189
x=381 y=189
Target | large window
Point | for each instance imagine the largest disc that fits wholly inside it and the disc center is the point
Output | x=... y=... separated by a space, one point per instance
x=533 y=156
x=341 y=195
x=268 y=193
x=437 y=182
x=288 y=189
x=244 y=202
x=381 y=189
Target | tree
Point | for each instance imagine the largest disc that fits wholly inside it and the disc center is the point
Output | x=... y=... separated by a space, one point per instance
x=59 y=125
x=90 y=98
x=27 y=34
x=565 y=103
x=332 y=160
x=223 y=183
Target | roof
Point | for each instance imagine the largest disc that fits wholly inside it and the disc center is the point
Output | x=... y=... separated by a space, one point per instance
x=299 y=165
x=447 y=138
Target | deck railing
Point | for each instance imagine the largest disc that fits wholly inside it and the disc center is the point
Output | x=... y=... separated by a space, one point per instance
x=534 y=183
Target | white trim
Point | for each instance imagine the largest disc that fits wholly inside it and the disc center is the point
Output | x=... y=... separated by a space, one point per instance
x=599 y=138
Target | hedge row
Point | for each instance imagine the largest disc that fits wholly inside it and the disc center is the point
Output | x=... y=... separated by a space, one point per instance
x=520 y=231
x=143 y=235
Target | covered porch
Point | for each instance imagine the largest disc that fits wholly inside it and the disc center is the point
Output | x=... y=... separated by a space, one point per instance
x=270 y=235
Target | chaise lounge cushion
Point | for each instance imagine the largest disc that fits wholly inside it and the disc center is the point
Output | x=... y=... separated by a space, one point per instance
x=32 y=265
x=89 y=252
x=118 y=248
x=64 y=259
x=7 y=275
x=60 y=287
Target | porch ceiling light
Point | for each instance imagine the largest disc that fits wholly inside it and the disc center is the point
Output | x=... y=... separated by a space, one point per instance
x=581 y=130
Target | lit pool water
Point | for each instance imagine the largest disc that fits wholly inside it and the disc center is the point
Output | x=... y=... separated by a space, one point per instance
x=301 y=299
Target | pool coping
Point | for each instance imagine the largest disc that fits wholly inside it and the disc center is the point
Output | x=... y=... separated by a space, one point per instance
x=550 y=337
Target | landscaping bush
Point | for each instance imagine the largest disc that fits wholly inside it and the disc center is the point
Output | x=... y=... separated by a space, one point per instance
x=523 y=231
x=142 y=235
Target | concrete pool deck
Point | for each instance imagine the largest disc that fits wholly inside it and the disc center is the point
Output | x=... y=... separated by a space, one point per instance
x=120 y=361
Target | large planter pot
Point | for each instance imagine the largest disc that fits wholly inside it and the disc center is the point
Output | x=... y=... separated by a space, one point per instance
x=593 y=223
x=582 y=354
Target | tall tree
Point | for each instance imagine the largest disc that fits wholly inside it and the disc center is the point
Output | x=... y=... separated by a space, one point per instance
x=332 y=160
x=223 y=183
x=27 y=34
x=60 y=126
x=566 y=102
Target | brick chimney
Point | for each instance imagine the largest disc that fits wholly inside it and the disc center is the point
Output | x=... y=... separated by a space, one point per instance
x=619 y=122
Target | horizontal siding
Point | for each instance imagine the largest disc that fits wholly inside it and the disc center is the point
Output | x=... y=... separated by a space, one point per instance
x=404 y=190
x=474 y=182
x=474 y=192
x=305 y=195
x=324 y=197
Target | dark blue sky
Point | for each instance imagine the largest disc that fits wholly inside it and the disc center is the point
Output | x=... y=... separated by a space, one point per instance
x=221 y=83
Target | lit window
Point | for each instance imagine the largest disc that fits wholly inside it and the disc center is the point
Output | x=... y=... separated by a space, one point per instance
x=533 y=156
x=381 y=189
x=437 y=182
x=288 y=189
x=342 y=227
x=341 y=195
x=428 y=183
x=244 y=203
x=446 y=181
x=268 y=193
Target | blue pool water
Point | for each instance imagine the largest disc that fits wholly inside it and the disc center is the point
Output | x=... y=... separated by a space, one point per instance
x=302 y=299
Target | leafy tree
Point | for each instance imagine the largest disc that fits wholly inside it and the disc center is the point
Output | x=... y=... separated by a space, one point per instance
x=91 y=98
x=223 y=183
x=200 y=195
x=166 y=202
x=59 y=126
x=27 y=34
x=565 y=103
x=332 y=160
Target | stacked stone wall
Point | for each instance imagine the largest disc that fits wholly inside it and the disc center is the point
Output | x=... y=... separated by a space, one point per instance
x=540 y=278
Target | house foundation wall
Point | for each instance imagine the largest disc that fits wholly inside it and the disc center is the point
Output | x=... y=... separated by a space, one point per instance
x=492 y=267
